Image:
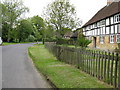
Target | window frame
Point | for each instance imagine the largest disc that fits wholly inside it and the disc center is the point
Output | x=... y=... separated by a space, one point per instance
x=101 y=39
x=117 y=38
x=112 y=38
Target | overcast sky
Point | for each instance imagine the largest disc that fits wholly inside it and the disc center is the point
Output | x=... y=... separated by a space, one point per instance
x=85 y=8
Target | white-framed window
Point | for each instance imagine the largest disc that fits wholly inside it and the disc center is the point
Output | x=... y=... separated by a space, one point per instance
x=101 y=39
x=116 y=28
x=119 y=28
x=111 y=38
x=98 y=24
x=117 y=18
x=103 y=30
x=107 y=21
x=98 y=32
x=112 y=29
x=92 y=32
x=118 y=38
x=111 y=20
x=95 y=25
x=107 y=30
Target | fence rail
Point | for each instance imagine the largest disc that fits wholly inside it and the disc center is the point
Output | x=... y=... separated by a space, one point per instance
x=101 y=64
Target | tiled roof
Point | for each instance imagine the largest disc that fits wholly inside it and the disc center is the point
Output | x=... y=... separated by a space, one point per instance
x=105 y=12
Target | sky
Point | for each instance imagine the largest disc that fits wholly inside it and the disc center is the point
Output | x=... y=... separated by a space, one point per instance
x=85 y=9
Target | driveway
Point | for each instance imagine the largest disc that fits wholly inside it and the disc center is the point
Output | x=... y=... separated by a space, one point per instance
x=18 y=70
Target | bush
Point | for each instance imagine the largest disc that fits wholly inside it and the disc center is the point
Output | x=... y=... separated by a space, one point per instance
x=83 y=42
x=62 y=41
x=30 y=38
x=50 y=40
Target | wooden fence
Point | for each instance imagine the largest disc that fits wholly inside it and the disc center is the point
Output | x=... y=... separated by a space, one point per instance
x=101 y=64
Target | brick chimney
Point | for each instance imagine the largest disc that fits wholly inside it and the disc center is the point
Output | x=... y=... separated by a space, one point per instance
x=109 y=2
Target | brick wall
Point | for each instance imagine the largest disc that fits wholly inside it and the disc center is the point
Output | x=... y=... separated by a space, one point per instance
x=106 y=45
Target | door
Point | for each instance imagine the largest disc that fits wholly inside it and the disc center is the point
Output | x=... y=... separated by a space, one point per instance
x=94 y=42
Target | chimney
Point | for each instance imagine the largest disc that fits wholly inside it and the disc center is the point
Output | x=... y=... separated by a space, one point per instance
x=109 y=2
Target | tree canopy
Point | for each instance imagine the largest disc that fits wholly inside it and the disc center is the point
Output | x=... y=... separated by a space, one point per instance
x=61 y=15
x=11 y=13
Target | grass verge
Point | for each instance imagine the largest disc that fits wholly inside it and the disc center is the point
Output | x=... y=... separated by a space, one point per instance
x=60 y=74
x=7 y=43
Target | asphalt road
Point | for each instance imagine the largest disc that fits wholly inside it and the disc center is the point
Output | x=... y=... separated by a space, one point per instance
x=18 y=70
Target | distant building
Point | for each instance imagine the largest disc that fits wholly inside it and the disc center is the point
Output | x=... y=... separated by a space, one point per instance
x=68 y=35
x=104 y=27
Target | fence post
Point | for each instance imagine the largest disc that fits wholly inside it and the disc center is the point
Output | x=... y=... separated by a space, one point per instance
x=119 y=72
x=77 y=50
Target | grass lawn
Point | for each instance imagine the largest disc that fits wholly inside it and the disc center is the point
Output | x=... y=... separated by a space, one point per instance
x=62 y=75
x=6 y=43
x=11 y=43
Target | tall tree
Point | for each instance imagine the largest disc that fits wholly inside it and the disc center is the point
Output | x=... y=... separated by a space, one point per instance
x=61 y=15
x=11 y=12
x=25 y=29
x=38 y=24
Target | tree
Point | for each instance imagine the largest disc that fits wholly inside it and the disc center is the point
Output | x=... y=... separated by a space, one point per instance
x=25 y=28
x=11 y=12
x=49 y=33
x=61 y=14
x=38 y=24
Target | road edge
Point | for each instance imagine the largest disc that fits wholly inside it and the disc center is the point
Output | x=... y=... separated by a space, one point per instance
x=45 y=77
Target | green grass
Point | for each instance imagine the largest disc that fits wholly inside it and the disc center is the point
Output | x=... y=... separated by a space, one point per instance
x=62 y=75
x=6 y=43
x=11 y=43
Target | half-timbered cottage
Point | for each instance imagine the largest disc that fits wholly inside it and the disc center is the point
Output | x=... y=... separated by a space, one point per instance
x=104 y=27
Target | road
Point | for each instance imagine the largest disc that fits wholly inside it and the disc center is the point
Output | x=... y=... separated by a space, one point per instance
x=18 y=70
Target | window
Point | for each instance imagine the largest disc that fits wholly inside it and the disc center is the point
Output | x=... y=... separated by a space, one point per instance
x=119 y=28
x=103 y=30
x=107 y=21
x=111 y=19
x=111 y=38
x=118 y=38
x=101 y=39
x=112 y=29
x=98 y=31
x=95 y=25
x=98 y=24
x=102 y=23
x=116 y=28
x=117 y=18
x=107 y=30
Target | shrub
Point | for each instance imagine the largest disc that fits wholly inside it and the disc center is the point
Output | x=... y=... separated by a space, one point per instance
x=62 y=41
x=83 y=42
x=30 y=38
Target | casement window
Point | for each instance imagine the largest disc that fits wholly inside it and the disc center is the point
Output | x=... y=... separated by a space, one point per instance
x=107 y=21
x=117 y=18
x=103 y=30
x=98 y=31
x=118 y=38
x=119 y=28
x=111 y=20
x=112 y=29
x=116 y=28
x=101 y=39
x=107 y=30
x=95 y=25
x=98 y=24
x=102 y=23
x=111 y=38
